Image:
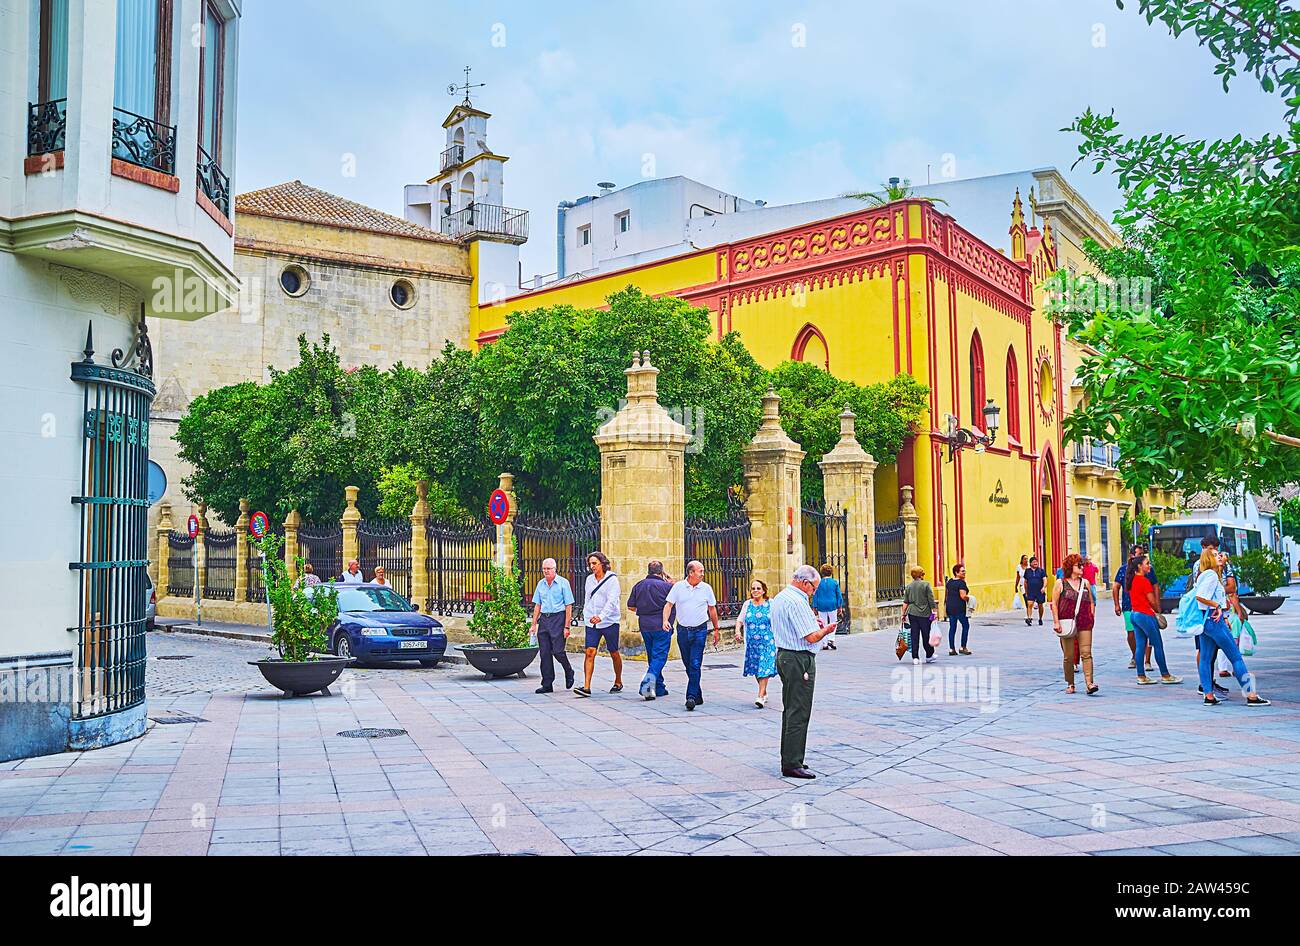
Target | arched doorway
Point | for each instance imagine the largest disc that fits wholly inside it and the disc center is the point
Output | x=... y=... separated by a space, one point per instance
x=1049 y=537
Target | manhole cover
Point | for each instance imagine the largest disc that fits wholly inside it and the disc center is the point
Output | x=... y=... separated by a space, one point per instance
x=721 y=666
x=169 y=720
x=174 y=657
x=372 y=733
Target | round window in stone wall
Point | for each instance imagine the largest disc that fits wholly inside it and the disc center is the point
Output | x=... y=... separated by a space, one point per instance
x=294 y=280
x=402 y=294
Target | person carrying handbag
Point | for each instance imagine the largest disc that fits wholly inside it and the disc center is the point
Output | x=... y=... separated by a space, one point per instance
x=1073 y=618
x=921 y=606
x=1146 y=618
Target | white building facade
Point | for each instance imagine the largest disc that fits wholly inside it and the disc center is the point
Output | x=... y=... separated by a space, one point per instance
x=117 y=138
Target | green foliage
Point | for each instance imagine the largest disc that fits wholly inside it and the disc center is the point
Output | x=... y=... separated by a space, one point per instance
x=1288 y=514
x=811 y=402
x=398 y=495
x=1168 y=567
x=1195 y=376
x=1262 y=569
x=501 y=620
x=890 y=192
x=299 y=621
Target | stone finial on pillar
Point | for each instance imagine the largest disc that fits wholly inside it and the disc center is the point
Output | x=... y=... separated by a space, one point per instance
x=848 y=479
x=772 y=474
x=351 y=517
x=164 y=549
x=420 y=546
x=642 y=479
x=292 y=523
x=241 y=552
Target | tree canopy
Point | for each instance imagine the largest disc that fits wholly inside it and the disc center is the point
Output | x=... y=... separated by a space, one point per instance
x=1195 y=335
x=528 y=404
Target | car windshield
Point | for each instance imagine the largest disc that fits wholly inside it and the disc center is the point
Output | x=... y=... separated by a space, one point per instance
x=366 y=599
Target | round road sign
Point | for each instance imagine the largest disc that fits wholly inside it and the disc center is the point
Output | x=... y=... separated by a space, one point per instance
x=498 y=506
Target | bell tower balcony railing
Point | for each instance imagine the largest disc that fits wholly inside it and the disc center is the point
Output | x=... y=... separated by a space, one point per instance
x=487 y=220
x=452 y=157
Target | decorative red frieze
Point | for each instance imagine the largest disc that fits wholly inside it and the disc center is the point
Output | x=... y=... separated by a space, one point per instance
x=811 y=245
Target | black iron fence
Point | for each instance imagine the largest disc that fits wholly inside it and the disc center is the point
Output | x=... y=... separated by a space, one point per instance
x=386 y=543
x=143 y=141
x=321 y=546
x=460 y=564
x=256 y=578
x=220 y=564
x=47 y=124
x=180 y=564
x=891 y=561
x=722 y=547
x=826 y=542
x=566 y=537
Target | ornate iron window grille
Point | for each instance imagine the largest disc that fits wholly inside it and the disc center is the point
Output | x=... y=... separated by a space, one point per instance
x=721 y=545
x=113 y=587
x=144 y=142
x=566 y=537
x=214 y=183
x=47 y=124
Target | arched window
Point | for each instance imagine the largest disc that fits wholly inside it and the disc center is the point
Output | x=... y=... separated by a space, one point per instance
x=977 y=387
x=810 y=346
x=1012 y=407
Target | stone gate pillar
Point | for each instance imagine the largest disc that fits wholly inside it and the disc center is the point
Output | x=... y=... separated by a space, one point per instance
x=420 y=545
x=642 y=483
x=351 y=516
x=201 y=544
x=849 y=480
x=241 y=552
x=772 y=483
x=292 y=523
x=164 y=549
x=506 y=531
x=911 y=548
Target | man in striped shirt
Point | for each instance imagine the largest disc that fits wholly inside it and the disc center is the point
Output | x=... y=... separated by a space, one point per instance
x=798 y=633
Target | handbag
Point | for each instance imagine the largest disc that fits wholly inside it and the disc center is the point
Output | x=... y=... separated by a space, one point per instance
x=903 y=644
x=970 y=604
x=1162 y=621
x=1068 y=628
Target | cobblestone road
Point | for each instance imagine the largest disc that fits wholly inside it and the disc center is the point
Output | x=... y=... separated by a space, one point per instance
x=1011 y=766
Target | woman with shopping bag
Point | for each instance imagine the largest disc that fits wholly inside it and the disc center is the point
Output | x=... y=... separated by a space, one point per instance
x=1210 y=594
x=919 y=611
x=1073 y=617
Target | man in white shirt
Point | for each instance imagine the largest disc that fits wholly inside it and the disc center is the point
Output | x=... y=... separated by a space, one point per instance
x=353 y=575
x=798 y=634
x=601 y=610
x=696 y=606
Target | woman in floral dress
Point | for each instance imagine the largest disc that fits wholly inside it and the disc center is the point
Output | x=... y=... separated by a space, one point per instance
x=754 y=627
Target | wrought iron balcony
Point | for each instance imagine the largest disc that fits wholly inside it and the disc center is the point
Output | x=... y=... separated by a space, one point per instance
x=487 y=220
x=452 y=157
x=214 y=183
x=1099 y=456
x=46 y=126
x=143 y=141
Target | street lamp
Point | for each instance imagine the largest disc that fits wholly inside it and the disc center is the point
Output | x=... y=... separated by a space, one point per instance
x=959 y=437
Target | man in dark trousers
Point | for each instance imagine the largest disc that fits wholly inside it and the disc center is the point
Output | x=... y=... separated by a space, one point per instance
x=647 y=602
x=552 y=612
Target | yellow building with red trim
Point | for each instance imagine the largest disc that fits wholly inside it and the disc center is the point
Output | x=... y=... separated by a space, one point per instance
x=880 y=291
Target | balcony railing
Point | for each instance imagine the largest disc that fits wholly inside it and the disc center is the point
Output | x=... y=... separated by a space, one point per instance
x=452 y=156
x=143 y=141
x=214 y=182
x=1096 y=453
x=46 y=126
x=490 y=220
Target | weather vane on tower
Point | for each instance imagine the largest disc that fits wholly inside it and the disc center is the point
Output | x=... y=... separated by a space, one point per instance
x=454 y=88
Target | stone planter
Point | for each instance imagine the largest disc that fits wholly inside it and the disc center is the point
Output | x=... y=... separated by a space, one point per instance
x=1262 y=604
x=498 y=661
x=298 y=678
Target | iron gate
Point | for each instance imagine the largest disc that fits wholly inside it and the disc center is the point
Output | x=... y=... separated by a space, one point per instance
x=722 y=547
x=460 y=564
x=891 y=560
x=180 y=564
x=321 y=546
x=219 y=564
x=566 y=537
x=387 y=542
x=826 y=542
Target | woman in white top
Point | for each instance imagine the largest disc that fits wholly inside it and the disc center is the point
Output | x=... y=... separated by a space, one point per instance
x=1213 y=598
x=379 y=578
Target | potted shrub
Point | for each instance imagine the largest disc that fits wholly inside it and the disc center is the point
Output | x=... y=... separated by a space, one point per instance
x=299 y=626
x=1169 y=569
x=502 y=623
x=1262 y=570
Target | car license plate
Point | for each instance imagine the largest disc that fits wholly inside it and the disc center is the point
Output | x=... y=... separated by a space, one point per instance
x=414 y=645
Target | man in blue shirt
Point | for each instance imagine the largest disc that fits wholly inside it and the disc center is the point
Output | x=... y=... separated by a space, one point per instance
x=647 y=603
x=1035 y=593
x=552 y=613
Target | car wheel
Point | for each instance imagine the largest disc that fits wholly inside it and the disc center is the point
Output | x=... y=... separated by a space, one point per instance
x=343 y=646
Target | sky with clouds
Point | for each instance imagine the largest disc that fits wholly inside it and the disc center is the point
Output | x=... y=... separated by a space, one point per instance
x=778 y=101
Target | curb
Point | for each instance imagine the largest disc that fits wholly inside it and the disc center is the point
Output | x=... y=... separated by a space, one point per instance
x=452 y=656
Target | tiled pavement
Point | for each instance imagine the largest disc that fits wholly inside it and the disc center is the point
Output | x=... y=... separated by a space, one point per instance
x=488 y=766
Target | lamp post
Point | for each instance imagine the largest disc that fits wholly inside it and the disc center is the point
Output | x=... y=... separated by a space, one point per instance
x=959 y=437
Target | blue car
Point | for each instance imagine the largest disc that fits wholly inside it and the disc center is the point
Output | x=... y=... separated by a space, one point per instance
x=375 y=623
